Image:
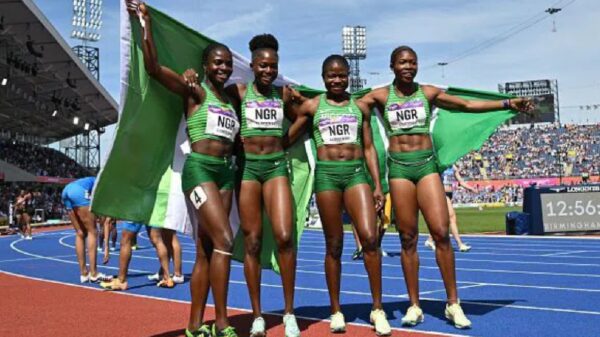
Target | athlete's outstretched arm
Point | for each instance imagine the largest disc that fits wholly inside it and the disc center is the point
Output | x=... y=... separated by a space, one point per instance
x=371 y=155
x=443 y=100
x=167 y=77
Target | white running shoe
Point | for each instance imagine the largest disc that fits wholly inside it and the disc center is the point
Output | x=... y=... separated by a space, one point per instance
x=178 y=279
x=380 y=323
x=291 y=326
x=100 y=277
x=414 y=316
x=455 y=314
x=84 y=278
x=154 y=277
x=430 y=244
x=464 y=248
x=258 y=327
x=29 y=237
x=384 y=253
x=337 y=323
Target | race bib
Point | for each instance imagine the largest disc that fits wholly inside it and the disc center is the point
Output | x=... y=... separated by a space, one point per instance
x=406 y=115
x=221 y=122
x=338 y=129
x=264 y=114
x=198 y=197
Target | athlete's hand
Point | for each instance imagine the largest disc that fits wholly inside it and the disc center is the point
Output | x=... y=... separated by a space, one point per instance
x=106 y=257
x=190 y=77
x=135 y=7
x=379 y=199
x=523 y=105
x=295 y=95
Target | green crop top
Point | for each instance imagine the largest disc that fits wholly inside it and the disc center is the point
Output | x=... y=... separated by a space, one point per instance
x=262 y=115
x=407 y=115
x=337 y=124
x=213 y=120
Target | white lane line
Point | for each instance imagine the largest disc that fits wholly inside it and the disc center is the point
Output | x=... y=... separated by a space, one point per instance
x=567 y=253
x=35 y=258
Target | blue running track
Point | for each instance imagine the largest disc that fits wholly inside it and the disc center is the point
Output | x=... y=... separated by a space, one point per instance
x=509 y=286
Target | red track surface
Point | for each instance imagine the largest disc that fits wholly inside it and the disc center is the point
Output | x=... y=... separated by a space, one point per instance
x=37 y=308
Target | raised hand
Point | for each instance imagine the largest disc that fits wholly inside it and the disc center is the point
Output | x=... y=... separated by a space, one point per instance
x=136 y=7
x=191 y=78
x=522 y=104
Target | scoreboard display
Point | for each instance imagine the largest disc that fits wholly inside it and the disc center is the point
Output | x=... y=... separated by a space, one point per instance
x=561 y=209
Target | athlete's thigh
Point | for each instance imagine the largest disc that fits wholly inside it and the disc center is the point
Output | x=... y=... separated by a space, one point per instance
x=87 y=217
x=250 y=206
x=432 y=202
x=404 y=201
x=76 y=222
x=358 y=201
x=210 y=209
x=330 y=205
x=278 y=204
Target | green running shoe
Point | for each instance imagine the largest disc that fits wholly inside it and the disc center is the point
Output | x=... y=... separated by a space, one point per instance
x=226 y=332
x=203 y=331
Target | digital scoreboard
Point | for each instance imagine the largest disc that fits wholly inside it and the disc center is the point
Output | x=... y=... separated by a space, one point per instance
x=561 y=209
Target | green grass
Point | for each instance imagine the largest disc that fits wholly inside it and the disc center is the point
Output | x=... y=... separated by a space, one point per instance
x=472 y=220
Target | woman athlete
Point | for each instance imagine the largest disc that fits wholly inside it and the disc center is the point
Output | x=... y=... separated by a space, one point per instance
x=415 y=183
x=208 y=173
x=342 y=135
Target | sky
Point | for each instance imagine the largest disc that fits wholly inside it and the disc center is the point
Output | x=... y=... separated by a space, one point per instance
x=439 y=31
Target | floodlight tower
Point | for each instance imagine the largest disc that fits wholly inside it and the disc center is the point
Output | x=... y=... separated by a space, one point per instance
x=87 y=22
x=354 y=48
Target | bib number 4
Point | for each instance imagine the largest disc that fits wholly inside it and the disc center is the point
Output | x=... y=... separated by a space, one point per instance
x=198 y=197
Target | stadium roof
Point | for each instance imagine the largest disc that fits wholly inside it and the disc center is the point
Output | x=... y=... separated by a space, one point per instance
x=39 y=73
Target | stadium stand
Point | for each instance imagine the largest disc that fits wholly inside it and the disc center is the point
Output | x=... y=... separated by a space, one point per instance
x=40 y=161
x=533 y=152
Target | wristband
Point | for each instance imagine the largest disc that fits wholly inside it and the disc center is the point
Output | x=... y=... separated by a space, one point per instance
x=506 y=104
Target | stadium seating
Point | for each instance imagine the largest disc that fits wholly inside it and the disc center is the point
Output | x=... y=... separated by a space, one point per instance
x=40 y=161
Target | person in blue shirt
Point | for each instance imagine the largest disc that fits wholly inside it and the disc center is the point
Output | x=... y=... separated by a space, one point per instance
x=76 y=197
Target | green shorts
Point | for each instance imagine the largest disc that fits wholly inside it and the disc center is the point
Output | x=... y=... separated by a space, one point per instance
x=339 y=175
x=412 y=166
x=202 y=168
x=263 y=168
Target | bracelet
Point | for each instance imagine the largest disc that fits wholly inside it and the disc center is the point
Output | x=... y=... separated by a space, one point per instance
x=506 y=103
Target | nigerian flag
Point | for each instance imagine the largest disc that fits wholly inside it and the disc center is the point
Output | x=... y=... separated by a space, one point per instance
x=141 y=179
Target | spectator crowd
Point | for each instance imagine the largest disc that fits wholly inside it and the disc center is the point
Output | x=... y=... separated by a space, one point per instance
x=40 y=161
x=535 y=152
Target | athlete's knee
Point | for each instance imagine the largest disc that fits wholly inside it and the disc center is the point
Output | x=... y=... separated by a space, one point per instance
x=369 y=242
x=253 y=244
x=223 y=242
x=440 y=235
x=284 y=241
x=409 y=240
x=335 y=248
x=81 y=233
